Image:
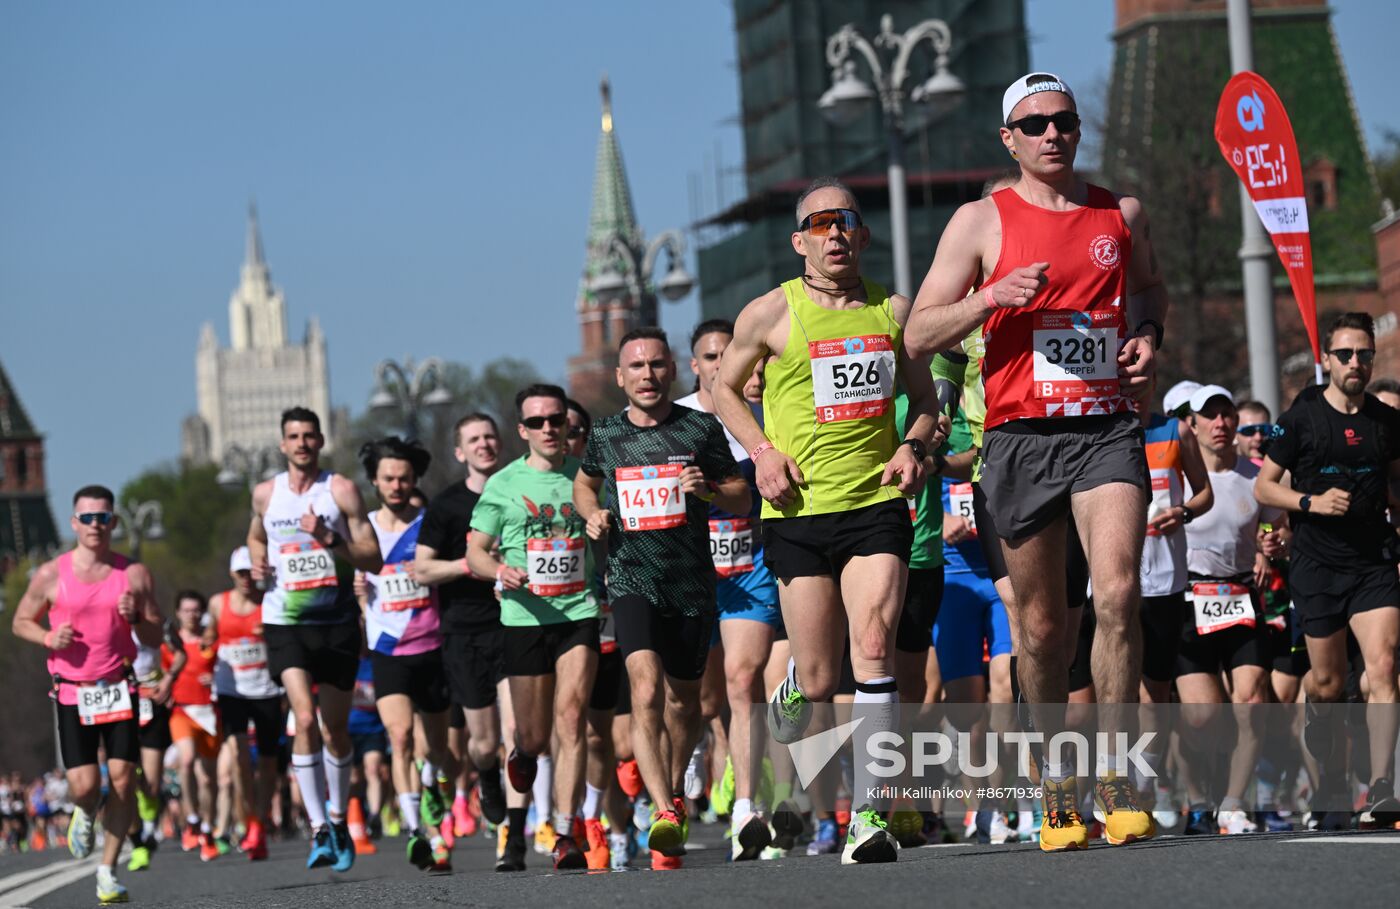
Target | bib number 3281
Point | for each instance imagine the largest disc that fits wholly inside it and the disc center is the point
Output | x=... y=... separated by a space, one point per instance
x=650 y=497
x=1076 y=353
x=852 y=378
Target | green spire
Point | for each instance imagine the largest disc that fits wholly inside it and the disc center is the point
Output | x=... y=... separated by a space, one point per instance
x=612 y=198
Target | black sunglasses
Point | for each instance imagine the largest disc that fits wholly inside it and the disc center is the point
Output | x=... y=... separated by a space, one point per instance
x=1364 y=355
x=1066 y=121
x=1254 y=429
x=555 y=420
x=821 y=222
x=101 y=518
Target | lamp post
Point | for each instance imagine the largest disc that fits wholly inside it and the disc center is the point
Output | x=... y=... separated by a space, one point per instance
x=140 y=521
x=410 y=388
x=635 y=279
x=248 y=465
x=849 y=95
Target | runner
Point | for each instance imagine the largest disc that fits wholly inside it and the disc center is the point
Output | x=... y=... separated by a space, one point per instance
x=248 y=696
x=94 y=599
x=471 y=620
x=153 y=713
x=834 y=476
x=1072 y=301
x=646 y=482
x=1341 y=445
x=1256 y=428
x=403 y=631
x=748 y=609
x=312 y=522
x=548 y=608
x=194 y=721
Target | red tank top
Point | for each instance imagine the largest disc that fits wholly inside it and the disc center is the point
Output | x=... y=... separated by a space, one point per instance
x=1058 y=357
x=102 y=647
x=234 y=628
x=196 y=682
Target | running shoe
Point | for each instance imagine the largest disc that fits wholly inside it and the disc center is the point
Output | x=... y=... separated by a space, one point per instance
x=252 y=837
x=598 y=854
x=544 y=838
x=223 y=844
x=1275 y=822
x=447 y=830
x=208 y=848
x=1233 y=823
x=982 y=827
x=789 y=712
x=1062 y=826
x=420 y=851
x=678 y=805
x=629 y=778
x=661 y=862
x=109 y=889
x=868 y=840
x=1382 y=810
x=463 y=821
x=751 y=837
x=908 y=828
x=322 y=850
x=441 y=855
x=1199 y=822
x=140 y=858
x=512 y=857
x=344 y=847
x=567 y=855
x=432 y=808
x=722 y=791
x=787 y=825
x=493 y=795
x=520 y=769
x=665 y=834
x=189 y=838
x=695 y=772
x=1124 y=820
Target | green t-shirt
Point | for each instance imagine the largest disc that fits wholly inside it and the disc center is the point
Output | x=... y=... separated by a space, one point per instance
x=531 y=513
x=927 y=551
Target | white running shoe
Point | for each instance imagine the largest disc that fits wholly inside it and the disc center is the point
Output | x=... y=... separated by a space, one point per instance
x=868 y=840
x=109 y=889
x=695 y=771
x=1000 y=832
x=1233 y=822
x=81 y=834
x=751 y=837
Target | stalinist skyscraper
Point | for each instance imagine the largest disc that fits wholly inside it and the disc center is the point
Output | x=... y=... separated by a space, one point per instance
x=242 y=391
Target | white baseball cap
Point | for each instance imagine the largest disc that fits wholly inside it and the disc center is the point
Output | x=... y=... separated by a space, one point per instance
x=240 y=560
x=1179 y=394
x=1203 y=394
x=1028 y=85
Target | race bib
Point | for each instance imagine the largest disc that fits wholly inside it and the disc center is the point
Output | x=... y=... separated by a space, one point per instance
x=731 y=546
x=362 y=698
x=99 y=704
x=146 y=711
x=306 y=566
x=960 y=504
x=248 y=657
x=398 y=591
x=1221 y=606
x=204 y=716
x=1075 y=353
x=651 y=497
x=852 y=378
x=556 y=566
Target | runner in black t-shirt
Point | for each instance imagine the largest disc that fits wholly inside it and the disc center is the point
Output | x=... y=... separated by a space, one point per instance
x=1342 y=446
x=471 y=616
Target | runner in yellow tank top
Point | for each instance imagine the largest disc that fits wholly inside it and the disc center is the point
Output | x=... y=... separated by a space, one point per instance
x=834 y=474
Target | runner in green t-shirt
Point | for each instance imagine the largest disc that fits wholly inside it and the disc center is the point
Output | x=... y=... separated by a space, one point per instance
x=548 y=611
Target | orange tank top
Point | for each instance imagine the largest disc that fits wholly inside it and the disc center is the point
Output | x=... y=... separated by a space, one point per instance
x=195 y=684
x=1058 y=356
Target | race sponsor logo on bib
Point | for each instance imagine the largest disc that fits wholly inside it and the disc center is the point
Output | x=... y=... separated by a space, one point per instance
x=146 y=711
x=99 y=704
x=1221 y=606
x=960 y=504
x=306 y=566
x=731 y=546
x=399 y=591
x=852 y=378
x=1076 y=353
x=651 y=497
x=556 y=566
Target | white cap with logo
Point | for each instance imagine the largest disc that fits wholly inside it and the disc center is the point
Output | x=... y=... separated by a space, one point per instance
x=240 y=560
x=1028 y=85
x=1202 y=395
x=1179 y=395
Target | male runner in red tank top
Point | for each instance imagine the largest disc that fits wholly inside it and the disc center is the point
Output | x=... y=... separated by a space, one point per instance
x=93 y=599
x=1073 y=303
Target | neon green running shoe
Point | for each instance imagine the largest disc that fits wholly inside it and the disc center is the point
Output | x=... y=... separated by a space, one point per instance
x=868 y=840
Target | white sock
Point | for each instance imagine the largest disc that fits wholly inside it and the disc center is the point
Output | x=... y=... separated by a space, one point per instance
x=104 y=870
x=338 y=783
x=544 y=787
x=408 y=808
x=563 y=824
x=592 y=795
x=877 y=701
x=1056 y=771
x=742 y=809
x=427 y=774
x=148 y=829
x=192 y=820
x=1106 y=762
x=792 y=675
x=204 y=827
x=311 y=780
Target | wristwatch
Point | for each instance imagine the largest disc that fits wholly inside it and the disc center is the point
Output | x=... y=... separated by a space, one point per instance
x=1187 y=515
x=918 y=447
x=1305 y=504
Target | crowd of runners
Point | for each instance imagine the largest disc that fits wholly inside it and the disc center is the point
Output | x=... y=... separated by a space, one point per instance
x=978 y=496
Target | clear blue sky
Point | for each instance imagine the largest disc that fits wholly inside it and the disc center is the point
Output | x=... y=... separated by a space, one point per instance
x=423 y=172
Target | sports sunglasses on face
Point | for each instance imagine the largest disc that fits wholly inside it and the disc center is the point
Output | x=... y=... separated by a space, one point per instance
x=821 y=222
x=1066 y=121
x=101 y=518
x=1364 y=355
x=1254 y=429
x=555 y=419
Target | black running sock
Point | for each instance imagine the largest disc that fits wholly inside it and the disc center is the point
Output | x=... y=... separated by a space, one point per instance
x=515 y=817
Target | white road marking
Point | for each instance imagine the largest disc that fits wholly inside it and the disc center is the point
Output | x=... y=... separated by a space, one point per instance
x=1354 y=840
x=21 y=889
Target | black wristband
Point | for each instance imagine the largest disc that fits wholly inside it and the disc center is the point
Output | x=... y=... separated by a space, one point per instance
x=940 y=463
x=918 y=447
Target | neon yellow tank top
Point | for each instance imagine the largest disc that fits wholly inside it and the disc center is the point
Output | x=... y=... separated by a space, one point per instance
x=828 y=401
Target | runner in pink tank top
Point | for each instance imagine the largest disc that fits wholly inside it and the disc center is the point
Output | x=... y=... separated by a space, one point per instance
x=83 y=607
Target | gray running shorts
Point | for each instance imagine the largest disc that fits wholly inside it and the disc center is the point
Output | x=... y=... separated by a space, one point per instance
x=1030 y=468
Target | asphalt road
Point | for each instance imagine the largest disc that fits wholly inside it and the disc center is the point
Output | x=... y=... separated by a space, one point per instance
x=1311 y=870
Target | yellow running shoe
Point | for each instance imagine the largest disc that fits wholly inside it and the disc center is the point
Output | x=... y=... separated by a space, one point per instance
x=666 y=835
x=1123 y=820
x=502 y=832
x=1063 y=828
x=544 y=837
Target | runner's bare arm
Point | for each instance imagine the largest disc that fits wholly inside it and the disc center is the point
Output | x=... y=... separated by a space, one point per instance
x=485 y=565
x=1172 y=519
x=143 y=586
x=362 y=548
x=431 y=569
x=732 y=495
x=257 y=534
x=1147 y=302
x=751 y=334
x=586 y=491
x=38 y=596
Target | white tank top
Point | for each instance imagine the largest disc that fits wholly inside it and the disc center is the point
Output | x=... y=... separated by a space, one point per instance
x=314 y=586
x=1220 y=543
x=146 y=666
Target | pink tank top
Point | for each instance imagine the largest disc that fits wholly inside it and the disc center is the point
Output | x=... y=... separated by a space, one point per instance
x=102 y=647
